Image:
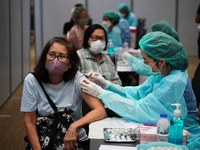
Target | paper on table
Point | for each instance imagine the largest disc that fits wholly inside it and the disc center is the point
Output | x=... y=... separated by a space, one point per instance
x=111 y=147
x=127 y=123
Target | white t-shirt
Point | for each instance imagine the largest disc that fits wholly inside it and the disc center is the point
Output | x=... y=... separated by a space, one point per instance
x=64 y=94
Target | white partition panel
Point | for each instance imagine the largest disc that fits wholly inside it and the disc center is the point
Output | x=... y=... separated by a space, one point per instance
x=187 y=28
x=97 y=8
x=16 y=43
x=5 y=51
x=55 y=14
x=26 y=36
x=155 y=10
x=38 y=27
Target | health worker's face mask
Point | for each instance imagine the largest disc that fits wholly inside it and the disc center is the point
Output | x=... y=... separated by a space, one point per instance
x=106 y=24
x=97 y=46
x=83 y=22
x=122 y=14
x=55 y=67
x=149 y=69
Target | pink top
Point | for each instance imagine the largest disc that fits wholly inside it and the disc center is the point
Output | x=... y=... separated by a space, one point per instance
x=76 y=35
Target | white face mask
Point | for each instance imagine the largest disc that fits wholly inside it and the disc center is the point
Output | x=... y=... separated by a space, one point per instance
x=149 y=69
x=106 y=24
x=122 y=14
x=83 y=22
x=97 y=46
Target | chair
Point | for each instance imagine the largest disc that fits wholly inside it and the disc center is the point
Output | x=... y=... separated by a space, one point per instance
x=196 y=84
x=141 y=31
x=112 y=57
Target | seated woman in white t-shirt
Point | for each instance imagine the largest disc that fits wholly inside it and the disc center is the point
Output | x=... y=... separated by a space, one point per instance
x=57 y=69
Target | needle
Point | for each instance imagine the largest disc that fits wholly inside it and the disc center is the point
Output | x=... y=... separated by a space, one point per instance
x=98 y=69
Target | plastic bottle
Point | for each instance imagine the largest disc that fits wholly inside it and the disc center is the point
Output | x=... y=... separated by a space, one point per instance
x=176 y=127
x=110 y=47
x=119 y=53
x=126 y=45
x=163 y=128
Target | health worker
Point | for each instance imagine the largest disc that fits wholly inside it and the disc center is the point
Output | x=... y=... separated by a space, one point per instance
x=110 y=21
x=167 y=61
x=126 y=13
x=136 y=62
x=137 y=66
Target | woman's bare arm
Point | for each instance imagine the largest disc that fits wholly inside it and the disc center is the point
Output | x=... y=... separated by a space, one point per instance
x=97 y=112
x=30 y=123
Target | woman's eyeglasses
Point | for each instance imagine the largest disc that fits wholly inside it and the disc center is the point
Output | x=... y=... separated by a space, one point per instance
x=61 y=58
x=95 y=38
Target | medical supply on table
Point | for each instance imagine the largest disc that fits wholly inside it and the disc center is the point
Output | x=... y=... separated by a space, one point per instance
x=160 y=146
x=150 y=125
x=147 y=135
x=119 y=135
x=126 y=45
x=110 y=47
x=176 y=127
x=163 y=128
x=119 y=54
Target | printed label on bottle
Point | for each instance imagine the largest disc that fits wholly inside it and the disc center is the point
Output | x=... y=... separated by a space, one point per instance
x=162 y=130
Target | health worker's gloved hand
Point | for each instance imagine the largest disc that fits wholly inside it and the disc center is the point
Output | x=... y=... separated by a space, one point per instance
x=98 y=79
x=134 y=52
x=126 y=55
x=91 y=88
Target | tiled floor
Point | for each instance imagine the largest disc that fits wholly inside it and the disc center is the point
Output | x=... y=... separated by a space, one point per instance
x=12 y=128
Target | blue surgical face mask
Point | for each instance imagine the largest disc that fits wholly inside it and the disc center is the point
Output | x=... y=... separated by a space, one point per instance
x=149 y=69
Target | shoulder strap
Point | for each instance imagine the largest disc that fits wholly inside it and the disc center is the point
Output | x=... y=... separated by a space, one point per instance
x=49 y=99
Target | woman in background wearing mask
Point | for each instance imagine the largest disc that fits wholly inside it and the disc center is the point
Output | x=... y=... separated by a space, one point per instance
x=76 y=33
x=95 y=41
x=57 y=69
x=110 y=21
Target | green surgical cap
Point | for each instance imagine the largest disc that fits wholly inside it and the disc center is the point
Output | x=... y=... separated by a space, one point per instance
x=124 y=7
x=112 y=15
x=159 y=45
x=165 y=27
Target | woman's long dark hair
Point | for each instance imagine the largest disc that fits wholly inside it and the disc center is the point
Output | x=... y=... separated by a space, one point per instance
x=42 y=73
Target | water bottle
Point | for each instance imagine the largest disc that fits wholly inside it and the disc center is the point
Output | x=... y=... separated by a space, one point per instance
x=110 y=47
x=126 y=45
x=120 y=51
x=163 y=128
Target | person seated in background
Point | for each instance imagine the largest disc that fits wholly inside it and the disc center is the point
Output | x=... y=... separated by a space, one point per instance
x=68 y=25
x=76 y=34
x=126 y=13
x=137 y=65
x=91 y=58
x=166 y=58
x=57 y=69
x=110 y=21
x=125 y=31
